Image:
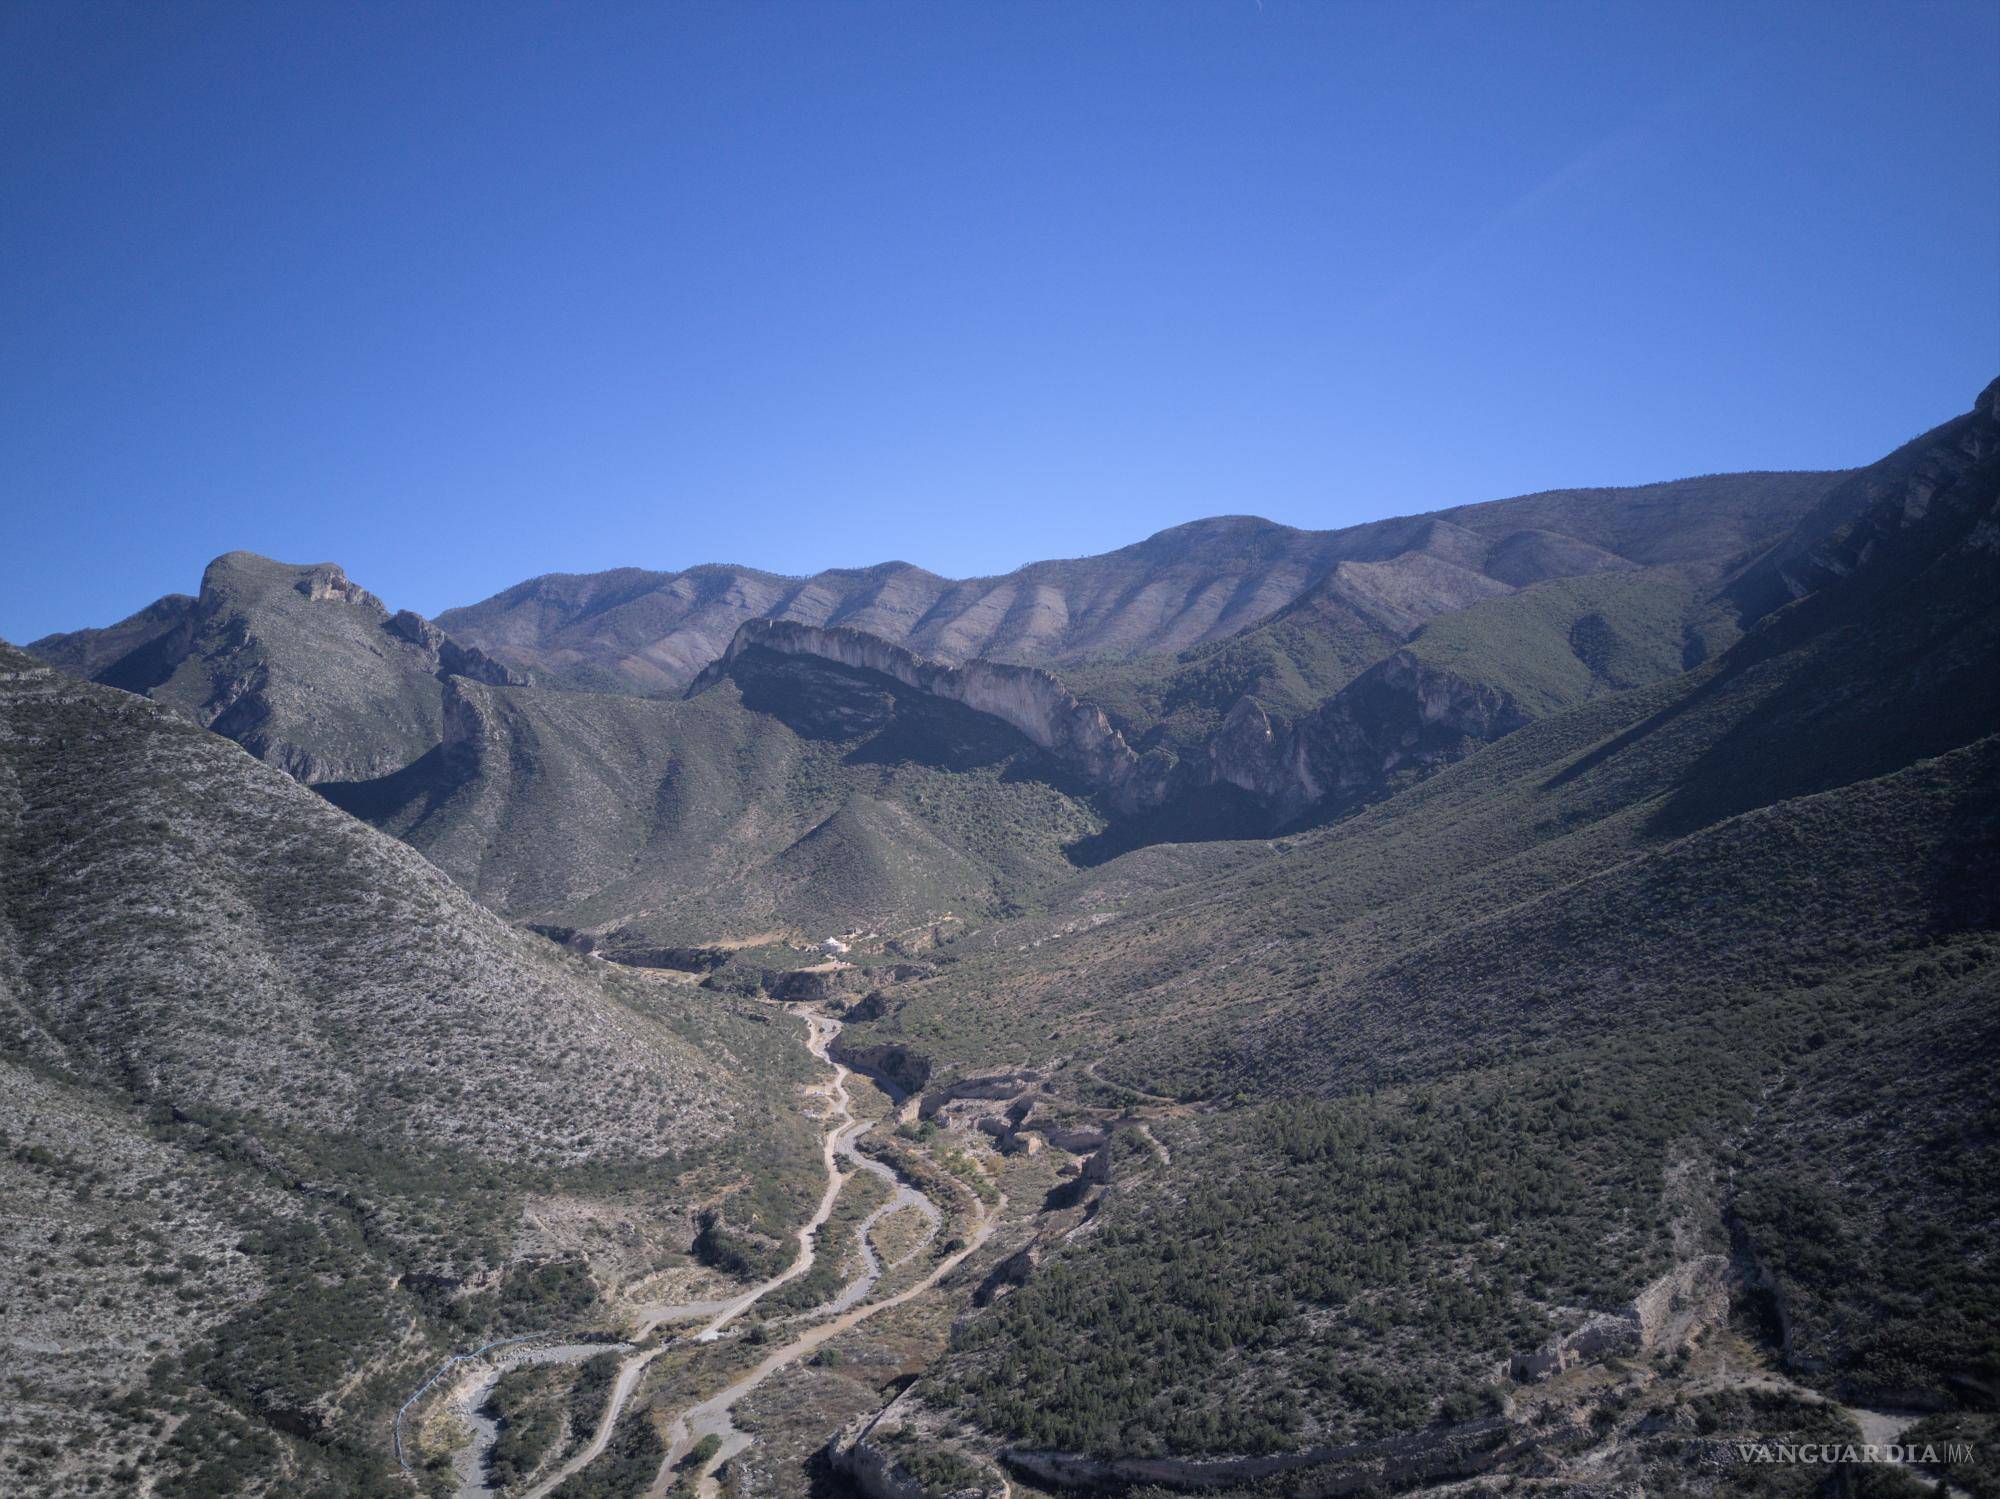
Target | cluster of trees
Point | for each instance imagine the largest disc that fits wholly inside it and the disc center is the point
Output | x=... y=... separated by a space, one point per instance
x=743 y=1254
x=627 y=1465
x=531 y=1423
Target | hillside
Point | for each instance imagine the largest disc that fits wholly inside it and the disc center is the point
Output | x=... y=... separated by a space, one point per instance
x=795 y=794
x=304 y=668
x=277 y=1098
x=651 y=632
x=1454 y=1062
x=1331 y=673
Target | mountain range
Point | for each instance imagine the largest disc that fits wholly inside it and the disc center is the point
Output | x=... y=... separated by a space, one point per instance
x=1226 y=677
x=1511 y=993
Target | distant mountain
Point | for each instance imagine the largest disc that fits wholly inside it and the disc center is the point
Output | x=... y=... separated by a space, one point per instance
x=1329 y=667
x=304 y=668
x=1659 y=993
x=796 y=793
x=651 y=632
x=274 y=1095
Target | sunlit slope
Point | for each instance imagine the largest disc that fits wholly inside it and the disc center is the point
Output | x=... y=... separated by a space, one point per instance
x=794 y=794
x=277 y=1092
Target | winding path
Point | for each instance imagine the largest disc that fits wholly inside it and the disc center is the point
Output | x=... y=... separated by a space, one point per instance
x=901 y=1195
x=712 y=1415
x=469 y=1398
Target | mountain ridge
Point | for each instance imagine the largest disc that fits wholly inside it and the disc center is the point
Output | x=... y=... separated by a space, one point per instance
x=1595 y=916
x=653 y=631
x=303 y=666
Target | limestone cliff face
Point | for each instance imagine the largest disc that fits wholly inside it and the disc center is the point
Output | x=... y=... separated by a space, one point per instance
x=1023 y=697
x=1402 y=714
x=449 y=658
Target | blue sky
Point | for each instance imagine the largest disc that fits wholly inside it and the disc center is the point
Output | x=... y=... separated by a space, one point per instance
x=457 y=294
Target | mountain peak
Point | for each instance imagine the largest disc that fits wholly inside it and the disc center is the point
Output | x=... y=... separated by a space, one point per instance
x=1212 y=530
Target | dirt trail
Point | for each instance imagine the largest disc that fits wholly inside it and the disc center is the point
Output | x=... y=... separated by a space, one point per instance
x=711 y=1416
x=465 y=1402
x=720 y=1313
x=901 y=1195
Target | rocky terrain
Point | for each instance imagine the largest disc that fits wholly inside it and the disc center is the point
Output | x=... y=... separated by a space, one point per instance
x=277 y=1095
x=1503 y=997
x=304 y=668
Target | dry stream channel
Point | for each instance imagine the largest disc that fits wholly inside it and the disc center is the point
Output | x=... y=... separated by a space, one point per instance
x=711 y=1416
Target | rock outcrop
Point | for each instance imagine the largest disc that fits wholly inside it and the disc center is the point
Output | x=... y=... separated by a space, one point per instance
x=986 y=1086
x=451 y=658
x=1401 y=715
x=301 y=665
x=903 y=1071
x=867 y=1450
x=1692 y=1296
x=1025 y=698
x=816 y=985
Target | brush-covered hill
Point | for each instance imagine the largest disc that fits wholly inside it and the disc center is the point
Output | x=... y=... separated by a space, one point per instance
x=1698 y=979
x=304 y=668
x=652 y=632
x=276 y=1096
x=794 y=793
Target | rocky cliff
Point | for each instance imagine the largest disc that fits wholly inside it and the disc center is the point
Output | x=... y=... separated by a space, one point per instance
x=300 y=665
x=1403 y=714
x=1025 y=698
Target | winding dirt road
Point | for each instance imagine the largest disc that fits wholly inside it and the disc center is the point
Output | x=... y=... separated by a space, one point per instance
x=467 y=1400
x=711 y=1416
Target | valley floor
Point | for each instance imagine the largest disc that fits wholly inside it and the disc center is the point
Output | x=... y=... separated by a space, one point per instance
x=706 y=1336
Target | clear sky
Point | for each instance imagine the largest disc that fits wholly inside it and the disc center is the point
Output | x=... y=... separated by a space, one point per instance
x=455 y=294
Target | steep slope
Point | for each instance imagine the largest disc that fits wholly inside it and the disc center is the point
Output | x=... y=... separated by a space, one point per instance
x=832 y=784
x=1235 y=735
x=90 y=653
x=652 y=632
x=795 y=792
x=1191 y=745
x=1863 y=679
x=1670 y=985
x=276 y=1094
x=302 y=667
x=1307 y=716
